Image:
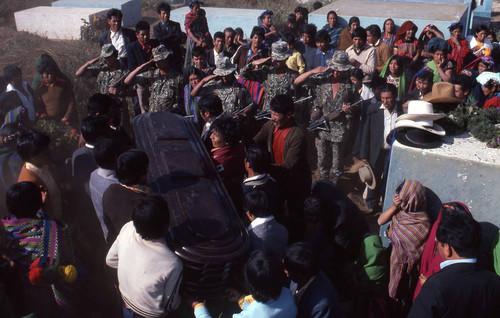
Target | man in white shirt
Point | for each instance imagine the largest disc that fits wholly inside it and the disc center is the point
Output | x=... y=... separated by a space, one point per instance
x=116 y=35
x=149 y=273
x=210 y=107
x=374 y=149
x=218 y=52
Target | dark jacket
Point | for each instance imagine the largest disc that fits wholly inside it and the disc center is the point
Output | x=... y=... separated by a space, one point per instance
x=318 y=300
x=459 y=290
x=136 y=56
x=118 y=204
x=293 y=174
x=240 y=57
x=372 y=134
x=128 y=35
x=169 y=34
x=270 y=236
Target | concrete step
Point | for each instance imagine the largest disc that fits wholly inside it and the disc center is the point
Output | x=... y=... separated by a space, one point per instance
x=131 y=8
x=62 y=23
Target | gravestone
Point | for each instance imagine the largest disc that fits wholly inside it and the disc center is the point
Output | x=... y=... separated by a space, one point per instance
x=221 y=18
x=131 y=8
x=40 y=21
x=376 y=12
x=462 y=169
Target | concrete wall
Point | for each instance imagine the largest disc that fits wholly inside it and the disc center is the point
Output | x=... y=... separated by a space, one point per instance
x=131 y=8
x=462 y=169
x=42 y=21
x=376 y=12
x=221 y=18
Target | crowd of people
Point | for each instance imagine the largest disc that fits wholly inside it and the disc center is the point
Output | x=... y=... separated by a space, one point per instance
x=85 y=236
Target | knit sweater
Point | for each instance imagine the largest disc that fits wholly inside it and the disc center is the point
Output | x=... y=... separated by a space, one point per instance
x=149 y=273
x=367 y=58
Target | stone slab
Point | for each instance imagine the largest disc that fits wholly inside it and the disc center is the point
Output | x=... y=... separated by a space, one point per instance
x=62 y=23
x=462 y=169
x=221 y=18
x=376 y=12
x=131 y=8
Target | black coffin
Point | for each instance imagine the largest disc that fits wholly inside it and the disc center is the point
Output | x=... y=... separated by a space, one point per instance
x=205 y=230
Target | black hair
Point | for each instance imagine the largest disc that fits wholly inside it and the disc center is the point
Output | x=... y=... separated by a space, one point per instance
x=480 y=28
x=461 y=232
x=390 y=88
x=99 y=104
x=195 y=71
x=263 y=276
x=426 y=76
x=374 y=31
x=314 y=209
x=309 y=29
x=463 y=80
x=151 y=217
x=256 y=202
x=322 y=36
x=228 y=128
x=377 y=82
x=142 y=26
x=106 y=153
x=226 y=30
x=191 y=5
x=330 y=13
x=456 y=26
x=94 y=128
x=163 y=6
x=114 y=13
x=219 y=35
x=31 y=143
x=291 y=18
x=198 y=51
x=24 y=199
x=258 y=158
x=493 y=34
x=357 y=73
x=282 y=104
x=131 y=166
x=239 y=31
x=289 y=38
x=383 y=25
x=46 y=67
x=11 y=71
x=256 y=30
x=300 y=258
x=354 y=19
x=359 y=32
x=210 y=103
x=317 y=5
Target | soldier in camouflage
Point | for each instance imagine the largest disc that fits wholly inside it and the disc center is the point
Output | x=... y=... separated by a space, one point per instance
x=276 y=79
x=222 y=83
x=333 y=98
x=110 y=75
x=165 y=84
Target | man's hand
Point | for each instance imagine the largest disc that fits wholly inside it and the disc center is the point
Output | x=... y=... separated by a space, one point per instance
x=346 y=108
x=112 y=90
x=260 y=61
x=319 y=69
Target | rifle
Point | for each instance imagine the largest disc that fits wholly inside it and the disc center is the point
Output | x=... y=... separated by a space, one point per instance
x=237 y=112
x=322 y=123
x=119 y=80
x=302 y=99
x=263 y=114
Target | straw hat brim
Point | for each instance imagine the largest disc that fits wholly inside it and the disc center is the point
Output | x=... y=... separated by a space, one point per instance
x=435 y=129
x=224 y=72
x=367 y=169
x=440 y=99
x=417 y=117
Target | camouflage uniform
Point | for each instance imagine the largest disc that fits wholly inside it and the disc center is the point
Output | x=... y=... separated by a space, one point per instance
x=272 y=83
x=106 y=79
x=165 y=91
x=329 y=144
x=233 y=97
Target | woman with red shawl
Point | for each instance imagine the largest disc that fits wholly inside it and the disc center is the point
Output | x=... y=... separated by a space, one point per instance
x=408 y=233
x=459 y=46
x=431 y=259
x=405 y=43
